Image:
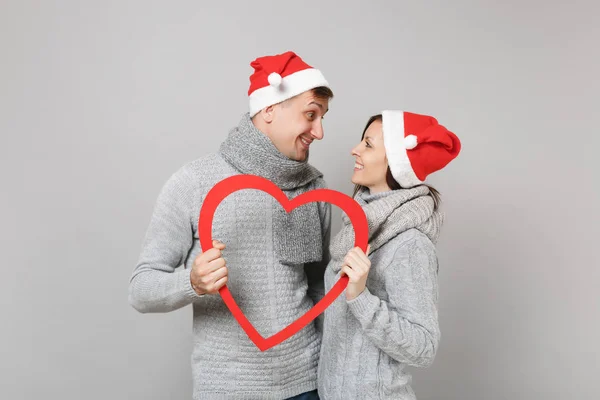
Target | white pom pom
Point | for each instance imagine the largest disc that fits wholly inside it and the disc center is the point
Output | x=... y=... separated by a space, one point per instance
x=410 y=142
x=274 y=79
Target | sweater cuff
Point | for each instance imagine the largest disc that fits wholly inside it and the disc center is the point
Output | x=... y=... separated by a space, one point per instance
x=364 y=305
x=185 y=284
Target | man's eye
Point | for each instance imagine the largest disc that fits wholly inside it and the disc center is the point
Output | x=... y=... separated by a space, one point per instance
x=310 y=115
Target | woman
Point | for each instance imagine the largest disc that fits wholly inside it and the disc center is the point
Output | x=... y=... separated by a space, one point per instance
x=387 y=318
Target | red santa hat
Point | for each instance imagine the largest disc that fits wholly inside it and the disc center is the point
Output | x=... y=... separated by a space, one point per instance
x=416 y=145
x=280 y=77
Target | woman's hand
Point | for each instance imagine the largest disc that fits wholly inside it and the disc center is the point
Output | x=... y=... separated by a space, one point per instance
x=356 y=265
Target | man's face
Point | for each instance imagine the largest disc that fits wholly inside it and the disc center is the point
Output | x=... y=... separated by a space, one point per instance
x=295 y=123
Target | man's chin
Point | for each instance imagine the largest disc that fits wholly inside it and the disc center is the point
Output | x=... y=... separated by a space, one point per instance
x=300 y=156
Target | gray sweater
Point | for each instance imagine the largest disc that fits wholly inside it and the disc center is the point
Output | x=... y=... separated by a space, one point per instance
x=272 y=294
x=369 y=341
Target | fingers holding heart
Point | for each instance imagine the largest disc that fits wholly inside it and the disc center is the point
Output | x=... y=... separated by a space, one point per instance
x=356 y=265
x=358 y=260
x=352 y=275
x=219 y=277
x=218 y=245
x=361 y=255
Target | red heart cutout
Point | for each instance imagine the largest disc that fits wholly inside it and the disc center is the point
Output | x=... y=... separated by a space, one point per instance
x=237 y=182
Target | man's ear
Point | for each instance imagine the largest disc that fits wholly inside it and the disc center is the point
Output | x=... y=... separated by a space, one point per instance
x=267 y=114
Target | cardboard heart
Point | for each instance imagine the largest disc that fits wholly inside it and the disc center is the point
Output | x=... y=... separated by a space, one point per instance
x=238 y=182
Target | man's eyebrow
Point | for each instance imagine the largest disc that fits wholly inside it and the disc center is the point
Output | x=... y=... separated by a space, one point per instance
x=318 y=105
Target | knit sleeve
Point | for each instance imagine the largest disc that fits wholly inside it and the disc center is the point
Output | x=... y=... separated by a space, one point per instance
x=405 y=326
x=155 y=286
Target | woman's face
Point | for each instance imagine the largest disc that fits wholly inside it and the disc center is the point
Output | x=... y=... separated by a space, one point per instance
x=371 y=162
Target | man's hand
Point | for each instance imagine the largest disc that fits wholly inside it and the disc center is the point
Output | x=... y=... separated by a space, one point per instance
x=209 y=272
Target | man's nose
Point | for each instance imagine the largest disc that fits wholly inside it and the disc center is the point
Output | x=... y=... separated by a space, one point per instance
x=317 y=130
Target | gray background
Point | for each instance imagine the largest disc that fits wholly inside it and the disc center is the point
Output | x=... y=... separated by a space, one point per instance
x=101 y=101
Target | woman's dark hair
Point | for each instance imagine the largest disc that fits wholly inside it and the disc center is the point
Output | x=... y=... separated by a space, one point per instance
x=391 y=182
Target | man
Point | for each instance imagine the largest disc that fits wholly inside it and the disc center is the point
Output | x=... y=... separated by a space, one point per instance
x=272 y=262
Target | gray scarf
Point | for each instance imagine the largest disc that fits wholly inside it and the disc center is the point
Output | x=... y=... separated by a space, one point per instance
x=389 y=214
x=298 y=233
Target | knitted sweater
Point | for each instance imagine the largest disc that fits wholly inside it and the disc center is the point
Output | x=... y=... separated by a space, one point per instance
x=369 y=340
x=225 y=363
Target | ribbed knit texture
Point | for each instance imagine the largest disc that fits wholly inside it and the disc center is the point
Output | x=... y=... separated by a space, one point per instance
x=388 y=214
x=368 y=341
x=225 y=363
